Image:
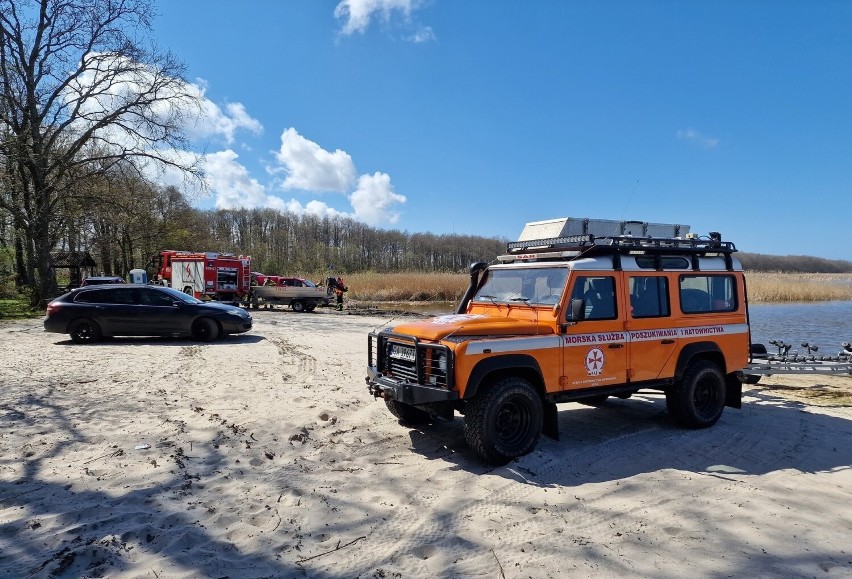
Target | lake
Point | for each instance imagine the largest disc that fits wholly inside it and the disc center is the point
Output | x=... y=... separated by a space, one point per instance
x=825 y=324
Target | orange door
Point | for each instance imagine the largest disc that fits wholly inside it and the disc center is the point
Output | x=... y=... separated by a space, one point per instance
x=653 y=337
x=595 y=348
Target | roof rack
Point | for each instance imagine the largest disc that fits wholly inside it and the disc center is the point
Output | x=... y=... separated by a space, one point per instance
x=575 y=246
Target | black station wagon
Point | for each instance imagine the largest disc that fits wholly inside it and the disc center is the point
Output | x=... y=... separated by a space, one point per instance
x=92 y=312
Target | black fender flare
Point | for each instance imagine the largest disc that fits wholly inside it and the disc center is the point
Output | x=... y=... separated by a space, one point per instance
x=523 y=365
x=711 y=351
x=523 y=362
x=708 y=350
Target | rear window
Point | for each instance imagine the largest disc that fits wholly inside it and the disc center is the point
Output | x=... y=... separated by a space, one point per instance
x=107 y=296
x=707 y=293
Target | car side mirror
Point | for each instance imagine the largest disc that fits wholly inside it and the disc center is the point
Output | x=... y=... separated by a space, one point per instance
x=577 y=313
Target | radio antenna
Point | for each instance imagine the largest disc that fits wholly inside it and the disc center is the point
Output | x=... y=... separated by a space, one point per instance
x=629 y=199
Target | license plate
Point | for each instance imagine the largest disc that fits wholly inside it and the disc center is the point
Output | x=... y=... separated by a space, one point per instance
x=402 y=353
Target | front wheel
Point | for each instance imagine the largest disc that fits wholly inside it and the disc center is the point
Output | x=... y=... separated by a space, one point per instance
x=407 y=413
x=205 y=330
x=84 y=331
x=505 y=421
x=699 y=399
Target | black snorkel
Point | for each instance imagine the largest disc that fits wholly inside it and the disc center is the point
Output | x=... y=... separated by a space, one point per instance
x=475 y=269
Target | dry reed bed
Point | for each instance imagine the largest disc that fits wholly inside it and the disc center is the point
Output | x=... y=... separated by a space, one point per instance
x=798 y=287
x=762 y=287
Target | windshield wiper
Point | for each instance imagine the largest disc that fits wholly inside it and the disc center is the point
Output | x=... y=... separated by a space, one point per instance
x=521 y=299
x=492 y=298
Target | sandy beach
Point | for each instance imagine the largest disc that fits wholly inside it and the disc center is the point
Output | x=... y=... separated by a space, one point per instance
x=262 y=455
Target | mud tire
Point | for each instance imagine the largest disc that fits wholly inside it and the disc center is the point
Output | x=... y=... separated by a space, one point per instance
x=699 y=399
x=407 y=413
x=505 y=421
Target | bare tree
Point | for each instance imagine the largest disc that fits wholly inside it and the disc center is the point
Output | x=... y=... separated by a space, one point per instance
x=79 y=93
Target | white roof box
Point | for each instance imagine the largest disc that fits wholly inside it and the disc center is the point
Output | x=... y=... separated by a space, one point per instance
x=566 y=226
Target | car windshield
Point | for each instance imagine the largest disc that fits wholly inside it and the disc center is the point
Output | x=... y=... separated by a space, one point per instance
x=536 y=286
x=181 y=296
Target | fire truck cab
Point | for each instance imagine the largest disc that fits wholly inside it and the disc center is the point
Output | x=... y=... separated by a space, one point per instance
x=574 y=317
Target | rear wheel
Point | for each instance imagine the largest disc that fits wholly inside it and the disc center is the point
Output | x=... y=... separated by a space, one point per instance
x=407 y=413
x=298 y=306
x=205 y=330
x=699 y=399
x=84 y=331
x=505 y=421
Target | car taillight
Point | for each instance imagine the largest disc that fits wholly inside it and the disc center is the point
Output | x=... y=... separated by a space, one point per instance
x=53 y=307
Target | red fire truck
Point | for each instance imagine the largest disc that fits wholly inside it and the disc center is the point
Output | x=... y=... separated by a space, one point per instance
x=220 y=276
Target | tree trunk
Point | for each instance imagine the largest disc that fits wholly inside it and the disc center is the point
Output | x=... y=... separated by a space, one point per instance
x=22 y=280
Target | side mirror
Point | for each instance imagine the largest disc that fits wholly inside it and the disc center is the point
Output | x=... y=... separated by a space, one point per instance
x=577 y=312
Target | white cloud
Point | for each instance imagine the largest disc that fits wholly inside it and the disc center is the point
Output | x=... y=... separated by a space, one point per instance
x=359 y=13
x=232 y=184
x=315 y=207
x=374 y=201
x=307 y=166
x=424 y=34
x=112 y=81
x=692 y=136
x=211 y=121
x=312 y=168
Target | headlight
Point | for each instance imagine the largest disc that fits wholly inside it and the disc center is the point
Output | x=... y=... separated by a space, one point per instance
x=441 y=362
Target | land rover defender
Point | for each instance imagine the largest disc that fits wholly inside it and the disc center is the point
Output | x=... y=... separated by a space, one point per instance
x=596 y=309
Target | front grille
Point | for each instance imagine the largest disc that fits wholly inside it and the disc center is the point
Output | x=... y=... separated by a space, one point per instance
x=405 y=359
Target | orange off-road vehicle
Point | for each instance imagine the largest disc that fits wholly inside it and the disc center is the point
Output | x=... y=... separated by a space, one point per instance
x=574 y=317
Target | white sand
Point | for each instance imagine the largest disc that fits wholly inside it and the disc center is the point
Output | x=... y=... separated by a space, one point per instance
x=268 y=458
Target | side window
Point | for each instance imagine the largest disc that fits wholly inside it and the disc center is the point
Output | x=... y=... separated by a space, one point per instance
x=124 y=296
x=598 y=295
x=649 y=296
x=707 y=293
x=155 y=298
x=92 y=297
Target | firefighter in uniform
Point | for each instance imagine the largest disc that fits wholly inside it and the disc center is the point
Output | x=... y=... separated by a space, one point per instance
x=338 y=291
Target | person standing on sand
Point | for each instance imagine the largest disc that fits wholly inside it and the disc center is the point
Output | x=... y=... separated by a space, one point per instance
x=338 y=291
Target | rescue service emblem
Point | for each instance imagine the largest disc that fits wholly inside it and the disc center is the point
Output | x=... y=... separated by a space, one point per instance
x=595 y=361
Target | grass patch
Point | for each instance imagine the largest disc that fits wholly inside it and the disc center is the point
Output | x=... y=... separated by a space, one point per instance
x=819 y=395
x=17 y=308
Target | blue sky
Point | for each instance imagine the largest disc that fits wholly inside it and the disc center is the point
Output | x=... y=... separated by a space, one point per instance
x=477 y=116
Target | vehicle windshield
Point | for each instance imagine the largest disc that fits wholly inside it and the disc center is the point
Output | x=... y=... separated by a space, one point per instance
x=531 y=286
x=182 y=296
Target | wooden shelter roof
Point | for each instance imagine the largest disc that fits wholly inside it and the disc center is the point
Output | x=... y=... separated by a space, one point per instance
x=72 y=259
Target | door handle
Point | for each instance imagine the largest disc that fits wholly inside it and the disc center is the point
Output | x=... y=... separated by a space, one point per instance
x=667 y=342
x=616 y=346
